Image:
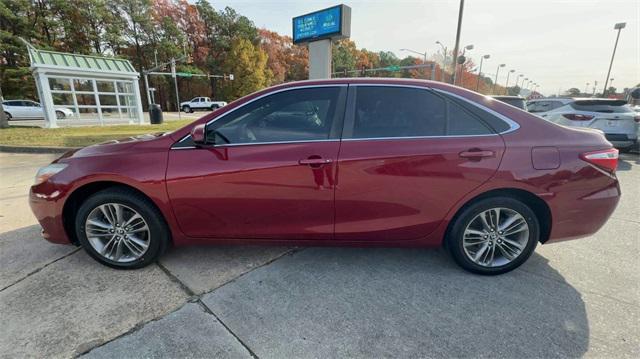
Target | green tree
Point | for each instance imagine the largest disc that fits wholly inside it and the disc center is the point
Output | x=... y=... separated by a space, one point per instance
x=249 y=67
x=15 y=76
x=574 y=91
x=344 y=55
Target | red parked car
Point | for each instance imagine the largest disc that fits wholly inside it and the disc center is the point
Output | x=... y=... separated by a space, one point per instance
x=358 y=162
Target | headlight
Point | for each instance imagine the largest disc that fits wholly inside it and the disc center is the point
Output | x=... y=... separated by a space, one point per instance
x=47 y=172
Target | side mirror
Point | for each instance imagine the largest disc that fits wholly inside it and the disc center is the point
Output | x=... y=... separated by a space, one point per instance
x=199 y=135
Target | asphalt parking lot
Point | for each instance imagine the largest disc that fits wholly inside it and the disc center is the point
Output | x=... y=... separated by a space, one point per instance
x=571 y=299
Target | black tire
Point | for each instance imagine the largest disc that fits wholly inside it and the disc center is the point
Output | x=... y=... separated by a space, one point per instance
x=8 y=115
x=159 y=231
x=214 y=107
x=187 y=109
x=454 y=239
x=60 y=115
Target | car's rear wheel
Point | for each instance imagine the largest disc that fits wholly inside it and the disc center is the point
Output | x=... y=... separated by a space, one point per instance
x=8 y=115
x=121 y=229
x=187 y=109
x=493 y=236
x=214 y=107
x=60 y=115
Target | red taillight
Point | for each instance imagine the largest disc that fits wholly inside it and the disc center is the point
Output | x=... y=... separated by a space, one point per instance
x=577 y=117
x=605 y=159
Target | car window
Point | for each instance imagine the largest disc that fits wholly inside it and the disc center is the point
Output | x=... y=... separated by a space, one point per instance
x=603 y=106
x=398 y=112
x=555 y=104
x=383 y=112
x=532 y=106
x=195 y=100
x=517 y=102
x=544 y=106
x=296 y=115
x=462 y=123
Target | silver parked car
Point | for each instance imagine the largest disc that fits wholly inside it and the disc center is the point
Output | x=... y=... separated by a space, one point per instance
x=29 y=110
x=614 y=117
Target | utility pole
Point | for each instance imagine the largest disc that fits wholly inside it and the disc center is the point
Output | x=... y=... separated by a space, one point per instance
x=619 y=26
x=175 y=82
x=454 y=64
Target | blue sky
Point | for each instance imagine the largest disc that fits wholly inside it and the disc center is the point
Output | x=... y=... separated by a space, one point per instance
x=559 y=44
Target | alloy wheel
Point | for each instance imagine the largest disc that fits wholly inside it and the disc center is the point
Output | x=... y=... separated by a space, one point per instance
x=495 y=237
x=117 y=232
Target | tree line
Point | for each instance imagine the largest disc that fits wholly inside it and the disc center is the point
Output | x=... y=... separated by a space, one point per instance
x=215 y=42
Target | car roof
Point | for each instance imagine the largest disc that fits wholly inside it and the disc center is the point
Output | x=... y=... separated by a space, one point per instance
x=564 y=100
x=508 y=97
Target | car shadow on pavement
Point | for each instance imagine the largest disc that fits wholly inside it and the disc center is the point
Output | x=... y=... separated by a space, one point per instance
x=379 y=302
x=626 y=161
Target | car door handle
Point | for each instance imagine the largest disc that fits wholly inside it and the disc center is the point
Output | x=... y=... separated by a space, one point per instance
x=474 y=153
x=315 y=161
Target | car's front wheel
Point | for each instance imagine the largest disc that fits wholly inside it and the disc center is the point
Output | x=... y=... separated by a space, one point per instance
x=8 y=116
x=187 y=109
x=494 y=235
x=60 y=115
x=121 y=229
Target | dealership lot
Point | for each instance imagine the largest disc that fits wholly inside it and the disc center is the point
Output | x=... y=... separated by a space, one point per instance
x=571 y=299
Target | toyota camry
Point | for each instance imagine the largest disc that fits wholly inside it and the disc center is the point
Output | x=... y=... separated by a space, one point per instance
x=343 y=162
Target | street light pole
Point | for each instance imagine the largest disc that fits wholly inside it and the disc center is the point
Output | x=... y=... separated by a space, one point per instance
x=518 y=80
x=493 y=91
x=444 y=59
x=480 y=70
x=611 y=84
x=506 y=84
x=461 y=57
x=457 y=45
x=619 y=26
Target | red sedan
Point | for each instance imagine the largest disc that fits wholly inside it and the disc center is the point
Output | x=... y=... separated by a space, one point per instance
x=359 y=162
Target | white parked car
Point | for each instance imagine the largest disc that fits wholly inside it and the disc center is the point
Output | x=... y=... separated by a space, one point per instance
x=615 y=118
x=201 y=103
x=27 y=109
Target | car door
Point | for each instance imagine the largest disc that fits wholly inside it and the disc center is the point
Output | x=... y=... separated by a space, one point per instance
x=270 y=172
x=34 y=109
x=407 y=156
x=19 y=109
x=195 y=103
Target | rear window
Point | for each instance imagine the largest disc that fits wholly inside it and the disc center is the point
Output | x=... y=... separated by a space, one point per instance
x=604 y=106
x=517 y=102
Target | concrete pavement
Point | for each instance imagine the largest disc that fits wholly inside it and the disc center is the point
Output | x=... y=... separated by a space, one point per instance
x=577 y=298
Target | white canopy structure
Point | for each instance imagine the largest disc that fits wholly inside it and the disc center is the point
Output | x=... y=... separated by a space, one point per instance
x=97 y=89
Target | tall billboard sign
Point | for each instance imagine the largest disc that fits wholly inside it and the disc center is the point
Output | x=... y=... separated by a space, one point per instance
x=318 y=29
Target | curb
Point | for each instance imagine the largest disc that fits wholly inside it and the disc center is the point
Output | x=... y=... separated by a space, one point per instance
x=34 y=149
